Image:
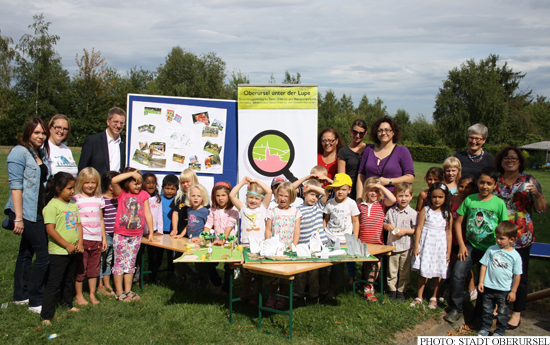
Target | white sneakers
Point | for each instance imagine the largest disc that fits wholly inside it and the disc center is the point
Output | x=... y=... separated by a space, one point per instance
x=25 y=301
x=36 y=310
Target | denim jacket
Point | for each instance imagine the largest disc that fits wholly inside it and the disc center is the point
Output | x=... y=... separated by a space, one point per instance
x=24 y=174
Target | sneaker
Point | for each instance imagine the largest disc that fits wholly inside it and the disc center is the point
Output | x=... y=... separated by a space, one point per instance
x=400 y=296
x=25 y=301
x=392 y=295
x=36 y=310
x=483 y=333
x=453 y=316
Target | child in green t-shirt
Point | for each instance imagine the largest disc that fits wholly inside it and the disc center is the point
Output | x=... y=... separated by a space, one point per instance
x=65 y=238
x=483 y=212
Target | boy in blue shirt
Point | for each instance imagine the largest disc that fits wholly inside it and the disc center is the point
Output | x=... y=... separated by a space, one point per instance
x=499 y=278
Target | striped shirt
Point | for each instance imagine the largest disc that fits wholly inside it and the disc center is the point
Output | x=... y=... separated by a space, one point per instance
x=312 y=221
x=371 y=222
x=109 y=214
x=403 y=219
x=90 y=215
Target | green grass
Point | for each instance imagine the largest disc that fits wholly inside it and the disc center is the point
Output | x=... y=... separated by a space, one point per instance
x=169 y=313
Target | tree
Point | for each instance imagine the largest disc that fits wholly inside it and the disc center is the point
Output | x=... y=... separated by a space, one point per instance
x=329 y=108
x=403 y=120
x=481 y=92
x=422 y=132
x=232 y=87
x=290 y=79
x=188 y=75
x=8 y=98
x=370 y=112
x=41 y=81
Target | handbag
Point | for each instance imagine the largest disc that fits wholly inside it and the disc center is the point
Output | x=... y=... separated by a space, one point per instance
x=9 y=223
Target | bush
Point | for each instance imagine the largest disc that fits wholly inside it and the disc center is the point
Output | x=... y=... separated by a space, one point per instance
x=430 y=154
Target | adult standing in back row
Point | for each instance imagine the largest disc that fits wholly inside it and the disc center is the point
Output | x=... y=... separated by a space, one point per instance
x=106 y=151
x=475 y=158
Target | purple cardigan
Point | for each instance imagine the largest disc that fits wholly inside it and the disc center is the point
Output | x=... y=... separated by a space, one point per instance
x=400 y=164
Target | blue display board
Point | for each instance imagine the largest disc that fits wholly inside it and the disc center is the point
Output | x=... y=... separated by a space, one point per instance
x=229 y=161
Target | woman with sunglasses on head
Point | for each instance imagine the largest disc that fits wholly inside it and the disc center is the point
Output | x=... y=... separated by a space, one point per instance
x=349 y=156
x=475 y=158
x=60 y=157
x=522 y=194
x=385 y=159
x=328 y=145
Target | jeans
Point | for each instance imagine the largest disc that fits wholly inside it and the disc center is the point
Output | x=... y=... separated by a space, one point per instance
x=523 y=289
x=107 y=258
x=458 y=279
x=61 y=277
x=29 y=284
x=493 y=297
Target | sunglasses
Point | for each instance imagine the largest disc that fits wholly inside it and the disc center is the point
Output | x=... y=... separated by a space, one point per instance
x=361 y=134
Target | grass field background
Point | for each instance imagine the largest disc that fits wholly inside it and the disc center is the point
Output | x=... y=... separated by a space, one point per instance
x=170 y=313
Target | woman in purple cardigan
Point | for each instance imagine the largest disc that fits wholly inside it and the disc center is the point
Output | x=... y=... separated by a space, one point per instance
x=385 y=159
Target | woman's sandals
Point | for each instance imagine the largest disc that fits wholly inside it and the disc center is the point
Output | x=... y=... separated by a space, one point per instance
x=415 y=302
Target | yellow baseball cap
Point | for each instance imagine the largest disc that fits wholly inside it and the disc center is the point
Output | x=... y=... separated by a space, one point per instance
x=340 y=180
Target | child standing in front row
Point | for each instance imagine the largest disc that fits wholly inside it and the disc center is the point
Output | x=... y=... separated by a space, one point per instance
x=371 y=225
x=133 y=212
x=109 y=218
x=434 y=174
x=65 y=240
x=155 y=203
x=400 y=222
x=90 y=203
x=482 y=212
x=432 y=242
x=311 y=224
x=222 y=218
x=284 y=221
x=253 y=215
x=499 y=278
x=341 y=218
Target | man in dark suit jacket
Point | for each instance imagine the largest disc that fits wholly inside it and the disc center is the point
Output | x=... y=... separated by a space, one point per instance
x=106 y=150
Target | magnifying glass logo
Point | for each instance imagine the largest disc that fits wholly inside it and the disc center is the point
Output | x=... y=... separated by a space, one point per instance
x=271 y=153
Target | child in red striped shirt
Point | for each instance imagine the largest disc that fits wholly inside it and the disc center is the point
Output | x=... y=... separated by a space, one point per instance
x=371 y=223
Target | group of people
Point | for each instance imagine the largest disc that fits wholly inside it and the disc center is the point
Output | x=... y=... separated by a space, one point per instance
x=476 y=208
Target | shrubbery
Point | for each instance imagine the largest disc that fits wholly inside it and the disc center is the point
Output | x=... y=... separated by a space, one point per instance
x=431 y=154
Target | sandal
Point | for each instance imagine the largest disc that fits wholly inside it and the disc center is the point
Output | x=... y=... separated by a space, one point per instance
x=280 y=304
x=369 y=295
x=133 y=296
x=415 y=302
x=271 y=303
x=433 y=303
x=123 y=297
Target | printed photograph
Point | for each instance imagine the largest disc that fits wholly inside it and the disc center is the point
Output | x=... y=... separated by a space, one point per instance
x=178 y=158
x=177 y=118
x=193 y=160
x=201 y=118
x=195 y=166
x=151 y=128
x=212 y=160
x=210 y=131
x=143 y=128
x=169 y=115
x=141 y=157
x=212 y=148
x=157 y=163
x=152 y=111
x=219 y=124
x=143 y=146
x=157 y=148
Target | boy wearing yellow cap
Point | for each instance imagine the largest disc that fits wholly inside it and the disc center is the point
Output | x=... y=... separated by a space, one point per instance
x=341 y=217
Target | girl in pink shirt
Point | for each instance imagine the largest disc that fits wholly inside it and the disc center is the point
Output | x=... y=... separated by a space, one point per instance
x=90 y=203
x=132 y=213
x=222 y=219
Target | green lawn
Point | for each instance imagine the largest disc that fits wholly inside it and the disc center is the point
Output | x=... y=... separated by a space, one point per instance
x=169 y=313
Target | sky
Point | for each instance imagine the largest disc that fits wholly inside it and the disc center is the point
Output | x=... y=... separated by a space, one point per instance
x=399 y=51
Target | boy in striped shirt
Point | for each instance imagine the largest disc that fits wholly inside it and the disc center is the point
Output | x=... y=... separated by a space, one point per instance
x=315 y=198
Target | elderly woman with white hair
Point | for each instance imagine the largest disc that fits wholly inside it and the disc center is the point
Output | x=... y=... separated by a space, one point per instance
x=475 y=158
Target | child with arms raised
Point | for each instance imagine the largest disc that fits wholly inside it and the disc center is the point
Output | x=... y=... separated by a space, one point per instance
x=341 y=218
x=482 y=212
x=222 y=218
x=311 y=224
x=253 y=215
x=400 y=222
x=132 y=214
x=499 y=278
x=432 y=242
x=434 y=174
x=90 y=203
x=284 y=221
x=65 y=240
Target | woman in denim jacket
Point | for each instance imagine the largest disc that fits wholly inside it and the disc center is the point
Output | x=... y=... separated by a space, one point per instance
x=28 y=172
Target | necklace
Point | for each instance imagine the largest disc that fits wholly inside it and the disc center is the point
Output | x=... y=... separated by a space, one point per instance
x=476 y=158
